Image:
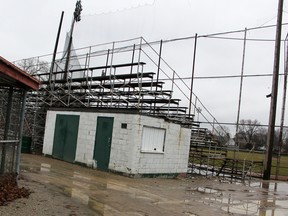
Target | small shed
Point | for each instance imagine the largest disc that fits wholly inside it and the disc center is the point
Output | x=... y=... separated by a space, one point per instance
x=117 y=140
x=14 y=84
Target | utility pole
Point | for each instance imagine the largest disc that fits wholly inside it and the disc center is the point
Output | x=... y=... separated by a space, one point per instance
x=76 y=18
x=273 y=103
x=283 y=110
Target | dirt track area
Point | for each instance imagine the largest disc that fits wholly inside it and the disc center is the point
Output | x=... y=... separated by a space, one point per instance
x=60 y=188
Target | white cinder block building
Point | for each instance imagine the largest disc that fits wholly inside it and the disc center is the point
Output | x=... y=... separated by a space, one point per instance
x=129 y=143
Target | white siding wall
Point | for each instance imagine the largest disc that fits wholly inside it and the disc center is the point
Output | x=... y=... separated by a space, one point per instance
x=126 y=155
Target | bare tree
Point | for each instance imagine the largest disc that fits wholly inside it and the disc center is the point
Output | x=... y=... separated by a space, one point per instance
x=260 y=138
x=222 y=135
x=40 y=70
x=248 y=131
x=277 y=142
x=285 y=142
x=35 y=67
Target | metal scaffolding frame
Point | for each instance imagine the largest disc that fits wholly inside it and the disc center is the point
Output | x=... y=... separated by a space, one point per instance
x=123 y=75
x=120 y=75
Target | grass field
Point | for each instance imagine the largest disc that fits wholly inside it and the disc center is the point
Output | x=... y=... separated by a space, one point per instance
x=242 y=155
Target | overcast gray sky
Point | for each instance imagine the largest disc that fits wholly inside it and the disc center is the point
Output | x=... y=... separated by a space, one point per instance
x=28 y=28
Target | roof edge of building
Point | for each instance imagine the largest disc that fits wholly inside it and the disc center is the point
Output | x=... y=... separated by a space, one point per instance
x=18 y=74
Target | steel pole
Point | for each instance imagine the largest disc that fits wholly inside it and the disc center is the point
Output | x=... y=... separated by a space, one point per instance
x=55 y=48
x=283 y=112
x=240 y=93
x=22 y=114
x=193 y=72
x=6 y=129
x=158 y=73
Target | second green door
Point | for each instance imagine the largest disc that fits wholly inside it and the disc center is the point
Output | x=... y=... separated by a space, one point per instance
x=103 y=140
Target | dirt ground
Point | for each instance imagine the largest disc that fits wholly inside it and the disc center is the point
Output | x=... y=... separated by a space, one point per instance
x=60 y=188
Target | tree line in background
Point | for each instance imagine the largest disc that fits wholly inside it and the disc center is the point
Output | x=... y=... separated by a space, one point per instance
x=251 y=135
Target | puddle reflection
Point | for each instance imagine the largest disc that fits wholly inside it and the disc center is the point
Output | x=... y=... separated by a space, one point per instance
x=45 y=167
x=98 y=207
x=106 y=195
x=79 y=192
x=239 y=207
x=271 y=201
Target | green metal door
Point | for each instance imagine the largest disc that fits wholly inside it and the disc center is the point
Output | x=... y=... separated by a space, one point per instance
x=103 y=141
x=65 y=137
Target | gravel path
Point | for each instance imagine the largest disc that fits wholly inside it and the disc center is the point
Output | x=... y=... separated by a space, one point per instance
x=45 y=199
x=60 y=188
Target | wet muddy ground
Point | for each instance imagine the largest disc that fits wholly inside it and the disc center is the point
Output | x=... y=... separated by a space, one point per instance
x=69 y=189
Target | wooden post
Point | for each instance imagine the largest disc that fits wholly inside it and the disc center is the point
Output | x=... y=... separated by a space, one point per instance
x=273 y=103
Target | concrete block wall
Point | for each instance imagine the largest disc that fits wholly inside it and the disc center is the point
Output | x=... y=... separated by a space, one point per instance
x=123 y=141
x=121 y=151
x=86 y=138
x=174 y=159
x=126 y=155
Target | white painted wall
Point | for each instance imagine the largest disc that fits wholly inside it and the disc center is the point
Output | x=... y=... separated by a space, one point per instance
x=126 y=155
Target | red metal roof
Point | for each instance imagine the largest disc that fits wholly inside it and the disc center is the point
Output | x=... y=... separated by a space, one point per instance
x=10 y=75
